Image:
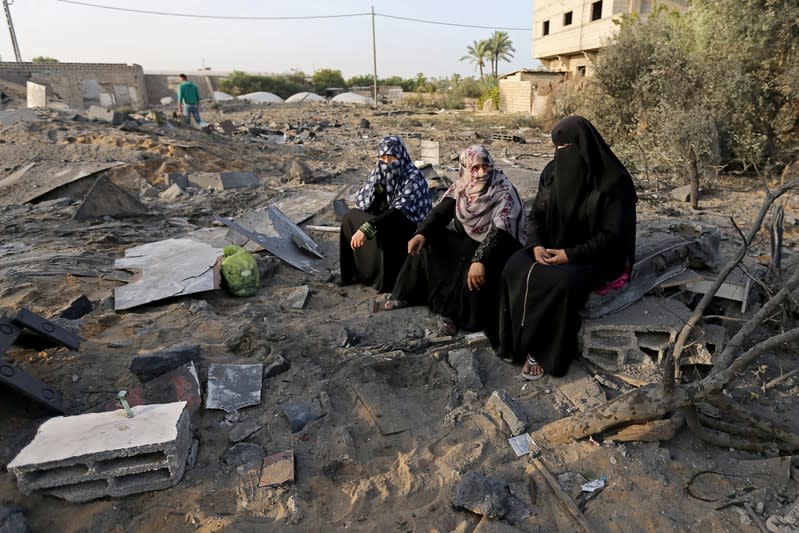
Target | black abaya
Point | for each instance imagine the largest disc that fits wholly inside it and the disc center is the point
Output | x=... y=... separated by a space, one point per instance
x=437 y=276
x=378 y=261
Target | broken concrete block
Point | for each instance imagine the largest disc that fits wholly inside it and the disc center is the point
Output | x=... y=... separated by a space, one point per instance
x=301 y=413
x=298 y=297
x=231 y=387
x=172 y=192
x=299 y=170
x=84 y=457
x=508 y=410
x=150 y=364
x=243 y=430
x=278 y=469
x=275 y=364
x=181 y=178
x=220 y=181
x=639 y=335
x=488 y=497
x=244 y=455
x=465 y=363
x=37 y=94
x=226 y=127
x=346 y=338
x=79 y=307
x=8 y=118
x=108 y=115
x=179 y=385
x=106 y=199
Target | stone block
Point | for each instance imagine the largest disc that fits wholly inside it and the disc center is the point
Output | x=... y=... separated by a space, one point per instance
x=84 y=457
x=220 y=181
x=465 y=363
x=179 y=178
x=640 y=334
x=109 y=115
x=37 y=94
x=508 y=410
x=172 y=192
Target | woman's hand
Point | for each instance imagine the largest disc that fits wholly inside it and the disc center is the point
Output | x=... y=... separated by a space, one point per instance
x=477 y=277
x=358 y=240
x=550 y=256
x=556 y=256
x=416 y=244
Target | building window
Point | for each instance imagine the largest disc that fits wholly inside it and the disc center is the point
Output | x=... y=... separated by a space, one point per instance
x=546 y=28
x=581 y=71
x=567 y=19
x=596 y=10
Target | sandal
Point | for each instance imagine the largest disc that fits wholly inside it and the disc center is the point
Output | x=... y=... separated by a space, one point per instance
x=446 y=327
x=535 y=370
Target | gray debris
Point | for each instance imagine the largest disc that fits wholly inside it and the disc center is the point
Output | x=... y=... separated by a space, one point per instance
x=300 y=413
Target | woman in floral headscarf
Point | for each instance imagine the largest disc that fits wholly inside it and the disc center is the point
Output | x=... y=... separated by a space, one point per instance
x=457 y=272
x=390 y=203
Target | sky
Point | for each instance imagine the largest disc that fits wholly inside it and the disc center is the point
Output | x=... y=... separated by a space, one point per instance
x=71 y=32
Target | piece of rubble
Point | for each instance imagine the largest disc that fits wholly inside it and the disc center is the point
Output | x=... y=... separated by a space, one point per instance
x=179 y=385
x=153 y=363
x=488 y=497
x=244 y=455
x=12 y=519
x=507 y=409
x=297 y=298
x=37 y=94
x=278 y=469
x=231 y=387
x=107 y=199
x=220 y=181
x=275 y=365
x=301 y=413
x=36 y=180
x=77 y=308
x=173 y=267
x=84 y=457
x=682 y=194
x=8 y=118
x=173 y=192
x=108 y=115
x=243 y=430
x=465 y=363
x=347 y=338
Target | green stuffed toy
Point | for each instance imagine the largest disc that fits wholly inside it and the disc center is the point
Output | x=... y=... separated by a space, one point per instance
x=240 y=271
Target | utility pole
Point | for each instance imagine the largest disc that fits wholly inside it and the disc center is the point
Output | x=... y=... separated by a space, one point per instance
x=11 y=30
x=374 y=54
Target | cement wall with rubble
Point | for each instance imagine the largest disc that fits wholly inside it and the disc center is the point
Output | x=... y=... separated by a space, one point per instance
x=83 y=84
x=162 y=84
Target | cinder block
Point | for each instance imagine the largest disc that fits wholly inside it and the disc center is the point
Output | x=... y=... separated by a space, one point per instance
x=84 y=457
x=221 y=181
x=641 y=334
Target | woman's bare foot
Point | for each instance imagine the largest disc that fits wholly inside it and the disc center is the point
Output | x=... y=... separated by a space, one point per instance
x=531 y=369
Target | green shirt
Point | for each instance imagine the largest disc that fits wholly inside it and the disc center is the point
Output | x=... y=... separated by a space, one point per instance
x=188 y=93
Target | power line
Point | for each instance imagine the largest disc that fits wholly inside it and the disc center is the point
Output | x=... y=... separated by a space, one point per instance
x=192 y=15
x=305 y=17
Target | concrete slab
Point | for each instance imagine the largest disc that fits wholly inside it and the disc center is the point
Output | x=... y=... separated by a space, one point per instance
x=37 y=94
x=430 y=152
x=501 y=402
x=220 y=181
x=13 y=116
x=300 y=205
x=164 y=269
x=107 y=199
x=272 y=231
x=278 y=469
x=465 y=363
x=297 y=298
x=36 y=180
x=231 y=387
x=80 y=458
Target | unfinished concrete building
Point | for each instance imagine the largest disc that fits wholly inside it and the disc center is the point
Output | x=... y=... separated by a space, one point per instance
x=568 y=34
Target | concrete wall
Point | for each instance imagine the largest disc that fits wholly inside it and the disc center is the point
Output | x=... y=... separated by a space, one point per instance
x=83 y=84
x=569 y=47
x=526 y=91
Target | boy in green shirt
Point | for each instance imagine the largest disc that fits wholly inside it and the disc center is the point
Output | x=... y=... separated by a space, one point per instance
x=189 y=94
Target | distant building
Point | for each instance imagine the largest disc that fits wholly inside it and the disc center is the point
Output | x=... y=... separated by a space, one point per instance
x=526 y=91
x=568 y=34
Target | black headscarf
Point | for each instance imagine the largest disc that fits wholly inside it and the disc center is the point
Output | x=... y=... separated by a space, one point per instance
x=587 y=172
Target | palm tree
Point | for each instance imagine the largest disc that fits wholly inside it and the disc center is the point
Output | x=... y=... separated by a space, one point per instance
x=499 y=48
x=477 y=54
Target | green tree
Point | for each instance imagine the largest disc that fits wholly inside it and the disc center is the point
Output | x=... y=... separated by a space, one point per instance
x=363 y=80
x=283 y=85
x=499 y=48
x=44 y=59
x=327 y=78
x=477 y=53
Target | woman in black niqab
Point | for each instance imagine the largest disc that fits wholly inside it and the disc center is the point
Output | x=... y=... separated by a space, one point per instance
x=580 y=237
